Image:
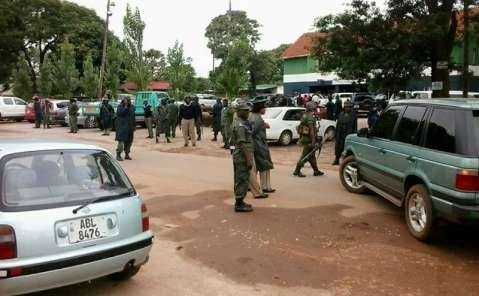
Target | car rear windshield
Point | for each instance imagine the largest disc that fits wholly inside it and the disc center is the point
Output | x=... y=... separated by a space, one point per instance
x=50 y=179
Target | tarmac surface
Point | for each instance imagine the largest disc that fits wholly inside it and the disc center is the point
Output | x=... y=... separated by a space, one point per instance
x=310 y=238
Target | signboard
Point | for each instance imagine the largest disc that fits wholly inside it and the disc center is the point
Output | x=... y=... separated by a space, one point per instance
x=437 y=85
x=442 y=65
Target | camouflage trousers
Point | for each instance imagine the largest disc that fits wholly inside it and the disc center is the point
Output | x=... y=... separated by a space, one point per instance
x=241 y=179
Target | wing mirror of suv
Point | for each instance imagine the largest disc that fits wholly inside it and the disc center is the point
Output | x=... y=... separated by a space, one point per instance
x=363 y=133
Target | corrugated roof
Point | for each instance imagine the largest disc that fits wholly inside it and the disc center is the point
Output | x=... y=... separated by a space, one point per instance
x=302 y=47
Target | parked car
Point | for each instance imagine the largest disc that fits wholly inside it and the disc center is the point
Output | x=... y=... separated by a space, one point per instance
x=363 y=102
x=422 y=155
x=207 y=102
x=30 y=113
x=83 y=120
x=427 y=94
x=284 y=121
x=68 y=214
x=59 y=109
x=12 y=108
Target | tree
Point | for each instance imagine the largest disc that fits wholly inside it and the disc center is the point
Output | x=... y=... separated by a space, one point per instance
x=155 y=59
x=65 y=72
x=11 y=39
x=138 y=71
x=114 y=64
x=90 y=80
x=232 y=75
x=388 y=48
x=46 y=78
x=179 y=71
x=228 y=28
x=23 y=85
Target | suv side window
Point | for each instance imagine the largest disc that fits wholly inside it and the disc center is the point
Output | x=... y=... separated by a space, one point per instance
x=20 y=102
x=293 y=115
x=407 y=131
x=8 y=101
x=441 y=132
x=384 y=128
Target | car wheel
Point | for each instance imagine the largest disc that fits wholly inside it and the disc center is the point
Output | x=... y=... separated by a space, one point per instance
x=130 y=271
x=349 y=175
x=330 y=134
x=286 y=138
x=418 y=213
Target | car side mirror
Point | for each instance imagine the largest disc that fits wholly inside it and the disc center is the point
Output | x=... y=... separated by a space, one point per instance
x=363 y=133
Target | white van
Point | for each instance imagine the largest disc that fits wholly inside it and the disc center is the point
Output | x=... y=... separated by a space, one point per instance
x=12 y=108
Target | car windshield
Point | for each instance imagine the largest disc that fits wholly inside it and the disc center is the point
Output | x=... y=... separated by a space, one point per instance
x=60 y=178
x=271 y=114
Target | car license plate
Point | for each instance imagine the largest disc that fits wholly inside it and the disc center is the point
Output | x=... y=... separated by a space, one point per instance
x=88 y=229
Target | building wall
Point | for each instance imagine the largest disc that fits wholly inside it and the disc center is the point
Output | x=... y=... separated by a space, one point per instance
x=302 y=65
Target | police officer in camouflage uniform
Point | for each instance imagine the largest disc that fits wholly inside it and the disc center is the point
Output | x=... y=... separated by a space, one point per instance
x=173 y=111
x=73 y=116
x=347 y=124
x=162 y=123
x=242 y=140
x=227 y=115
x=308 y=139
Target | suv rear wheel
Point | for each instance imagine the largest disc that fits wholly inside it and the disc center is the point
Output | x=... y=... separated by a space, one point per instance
x=418 y=213
x=349 y=175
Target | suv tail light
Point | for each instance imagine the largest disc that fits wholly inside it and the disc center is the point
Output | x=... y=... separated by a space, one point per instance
x=8 y=245
x=467 y=181
x=145 y=219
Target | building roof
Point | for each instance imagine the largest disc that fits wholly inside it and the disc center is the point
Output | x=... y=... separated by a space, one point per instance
x=302 y=47
x=154 y=85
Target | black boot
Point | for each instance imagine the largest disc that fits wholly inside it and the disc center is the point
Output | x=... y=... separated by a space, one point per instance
x=118 y=156
x=318 y=173
x=127 y=156
x=168 y=140
x=298 y=173
x=242 y=207
x=336 y=161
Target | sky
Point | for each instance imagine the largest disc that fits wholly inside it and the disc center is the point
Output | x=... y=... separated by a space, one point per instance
x=281 y=21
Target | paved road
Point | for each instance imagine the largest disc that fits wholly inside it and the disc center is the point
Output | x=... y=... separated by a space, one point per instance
x=311 y=238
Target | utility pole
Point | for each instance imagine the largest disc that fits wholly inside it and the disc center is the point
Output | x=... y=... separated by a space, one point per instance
x=104 y=53
x=465 y=69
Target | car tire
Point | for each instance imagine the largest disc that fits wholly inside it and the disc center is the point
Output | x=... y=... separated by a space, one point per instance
x=349 y=176
x=130 y=271
x=419 y=213
x=330 y=134
x=286 y=138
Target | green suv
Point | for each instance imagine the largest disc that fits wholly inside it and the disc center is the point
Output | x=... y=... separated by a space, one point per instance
x=423 y=156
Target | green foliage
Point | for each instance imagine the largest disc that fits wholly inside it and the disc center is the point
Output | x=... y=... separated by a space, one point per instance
x=232 y=75
x=138 y=71
x=46 y=78
x=387 y=48
x=180 y=72
x=65 y=72
x=23 y=84
x=11 y=39
x=155 y=59
x=228 y=28
x=90 y=81
x=114 y=63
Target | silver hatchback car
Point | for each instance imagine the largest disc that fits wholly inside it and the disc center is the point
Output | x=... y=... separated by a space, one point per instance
x=68 y=214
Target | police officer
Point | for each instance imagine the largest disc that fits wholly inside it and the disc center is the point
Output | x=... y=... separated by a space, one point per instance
x=338 y=107
x=243 y=160
x=173 y=111
x=125 y=128
x=347 y=124
x=46 y=106
x=148 y=118
x=198 y=112
x=37 y=108
x=162 y=124
x=227 y=115
x=217 y=108
x=308 y=140
x=106 y=115
x=73 y=116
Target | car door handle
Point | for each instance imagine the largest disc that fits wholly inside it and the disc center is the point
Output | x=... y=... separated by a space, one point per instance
x=382 y=151
x=411 y=159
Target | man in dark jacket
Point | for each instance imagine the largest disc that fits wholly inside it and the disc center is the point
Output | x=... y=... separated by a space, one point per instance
x=125 y=128
x=106 y=115
x=37 y=108
x=198 y=116
x=373 y=117
x=330 y=107
x=148 y=118
x=217 y=108
x=347 y=124
x=173 y=111
x=187 y=120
